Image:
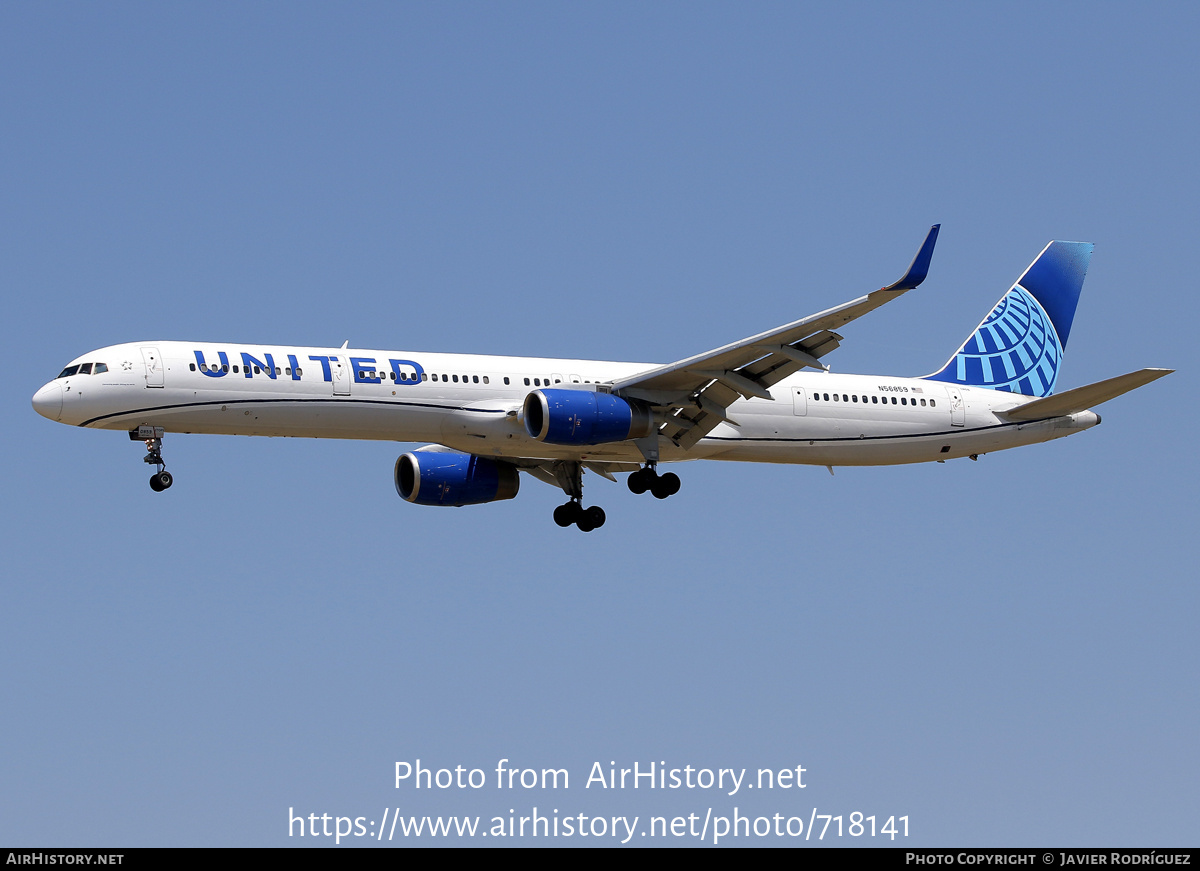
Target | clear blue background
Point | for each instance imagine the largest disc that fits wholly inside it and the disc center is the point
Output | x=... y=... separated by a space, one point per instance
x=1005 y=651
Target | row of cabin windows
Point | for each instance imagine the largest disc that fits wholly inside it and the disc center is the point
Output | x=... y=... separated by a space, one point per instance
x=466 y=379
x=536 y=382
x=473 y=379
x=875 y=400
x=83 y=369
x=363 y=374
x=279 y=370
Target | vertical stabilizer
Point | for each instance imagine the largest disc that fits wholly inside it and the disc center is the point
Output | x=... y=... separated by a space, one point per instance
x=1019 y=345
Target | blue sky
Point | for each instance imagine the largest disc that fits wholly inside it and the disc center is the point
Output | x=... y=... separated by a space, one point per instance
x=1003 y=651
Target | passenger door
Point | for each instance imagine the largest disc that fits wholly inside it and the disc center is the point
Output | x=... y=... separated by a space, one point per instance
x=958 y=409
x=154 y=367
x=339 y=370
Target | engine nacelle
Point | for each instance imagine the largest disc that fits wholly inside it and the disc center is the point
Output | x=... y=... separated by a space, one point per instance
x=581 y=417
x=436 y=478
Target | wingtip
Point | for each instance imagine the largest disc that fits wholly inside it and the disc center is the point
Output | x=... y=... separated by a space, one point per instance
x=919 y=268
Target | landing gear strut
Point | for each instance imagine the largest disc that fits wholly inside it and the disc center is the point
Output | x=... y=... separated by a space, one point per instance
x=647 y=478
x=569 y=476
x=153 y=436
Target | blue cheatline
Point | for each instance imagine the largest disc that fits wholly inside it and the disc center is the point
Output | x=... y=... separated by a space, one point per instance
x=1019 y=345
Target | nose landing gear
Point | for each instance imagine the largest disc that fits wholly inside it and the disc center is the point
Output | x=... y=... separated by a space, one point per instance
x=153 y=436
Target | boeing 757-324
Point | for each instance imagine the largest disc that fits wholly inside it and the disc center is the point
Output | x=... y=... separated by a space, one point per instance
x=768 y=398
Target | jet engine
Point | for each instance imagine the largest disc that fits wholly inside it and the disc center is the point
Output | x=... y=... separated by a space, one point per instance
x=438 y=478
x=581 y=417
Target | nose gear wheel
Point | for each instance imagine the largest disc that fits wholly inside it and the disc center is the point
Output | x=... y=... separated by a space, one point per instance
x=153 y=437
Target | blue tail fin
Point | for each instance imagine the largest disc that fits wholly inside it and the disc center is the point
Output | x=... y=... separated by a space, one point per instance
x=1019 y=345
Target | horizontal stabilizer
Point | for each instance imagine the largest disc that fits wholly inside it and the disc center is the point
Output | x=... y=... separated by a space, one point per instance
x=1082 y=398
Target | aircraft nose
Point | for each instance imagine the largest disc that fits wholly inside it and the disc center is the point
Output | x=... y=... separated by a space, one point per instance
x=48 y=401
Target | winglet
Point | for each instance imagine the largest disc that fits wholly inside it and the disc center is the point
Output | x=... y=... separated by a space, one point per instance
x=919 y=268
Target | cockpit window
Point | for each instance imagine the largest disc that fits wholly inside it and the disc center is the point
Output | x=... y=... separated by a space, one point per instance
x=83 y=369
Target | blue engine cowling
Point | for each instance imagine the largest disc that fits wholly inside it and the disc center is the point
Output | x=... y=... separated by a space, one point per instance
x=435 y=478
x=581 y=417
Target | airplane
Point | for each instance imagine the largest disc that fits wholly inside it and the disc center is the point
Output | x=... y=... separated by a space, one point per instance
x=767 y=398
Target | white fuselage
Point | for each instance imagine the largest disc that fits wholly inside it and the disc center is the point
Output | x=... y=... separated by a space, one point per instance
x=472 y=403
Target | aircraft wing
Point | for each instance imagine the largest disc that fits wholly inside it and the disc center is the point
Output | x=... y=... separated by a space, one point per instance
x=699 y=389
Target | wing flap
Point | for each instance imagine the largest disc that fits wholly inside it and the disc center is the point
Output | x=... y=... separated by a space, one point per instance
x=687 y=425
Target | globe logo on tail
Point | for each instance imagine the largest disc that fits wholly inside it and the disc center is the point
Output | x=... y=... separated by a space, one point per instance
x=1015 y=349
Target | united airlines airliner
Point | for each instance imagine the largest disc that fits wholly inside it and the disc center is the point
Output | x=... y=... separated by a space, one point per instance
x=769 y=398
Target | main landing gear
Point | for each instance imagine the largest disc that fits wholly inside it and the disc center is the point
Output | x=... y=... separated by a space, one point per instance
x=569 y=476
x=647 y=478
x=153 y=436
x=586 y=519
